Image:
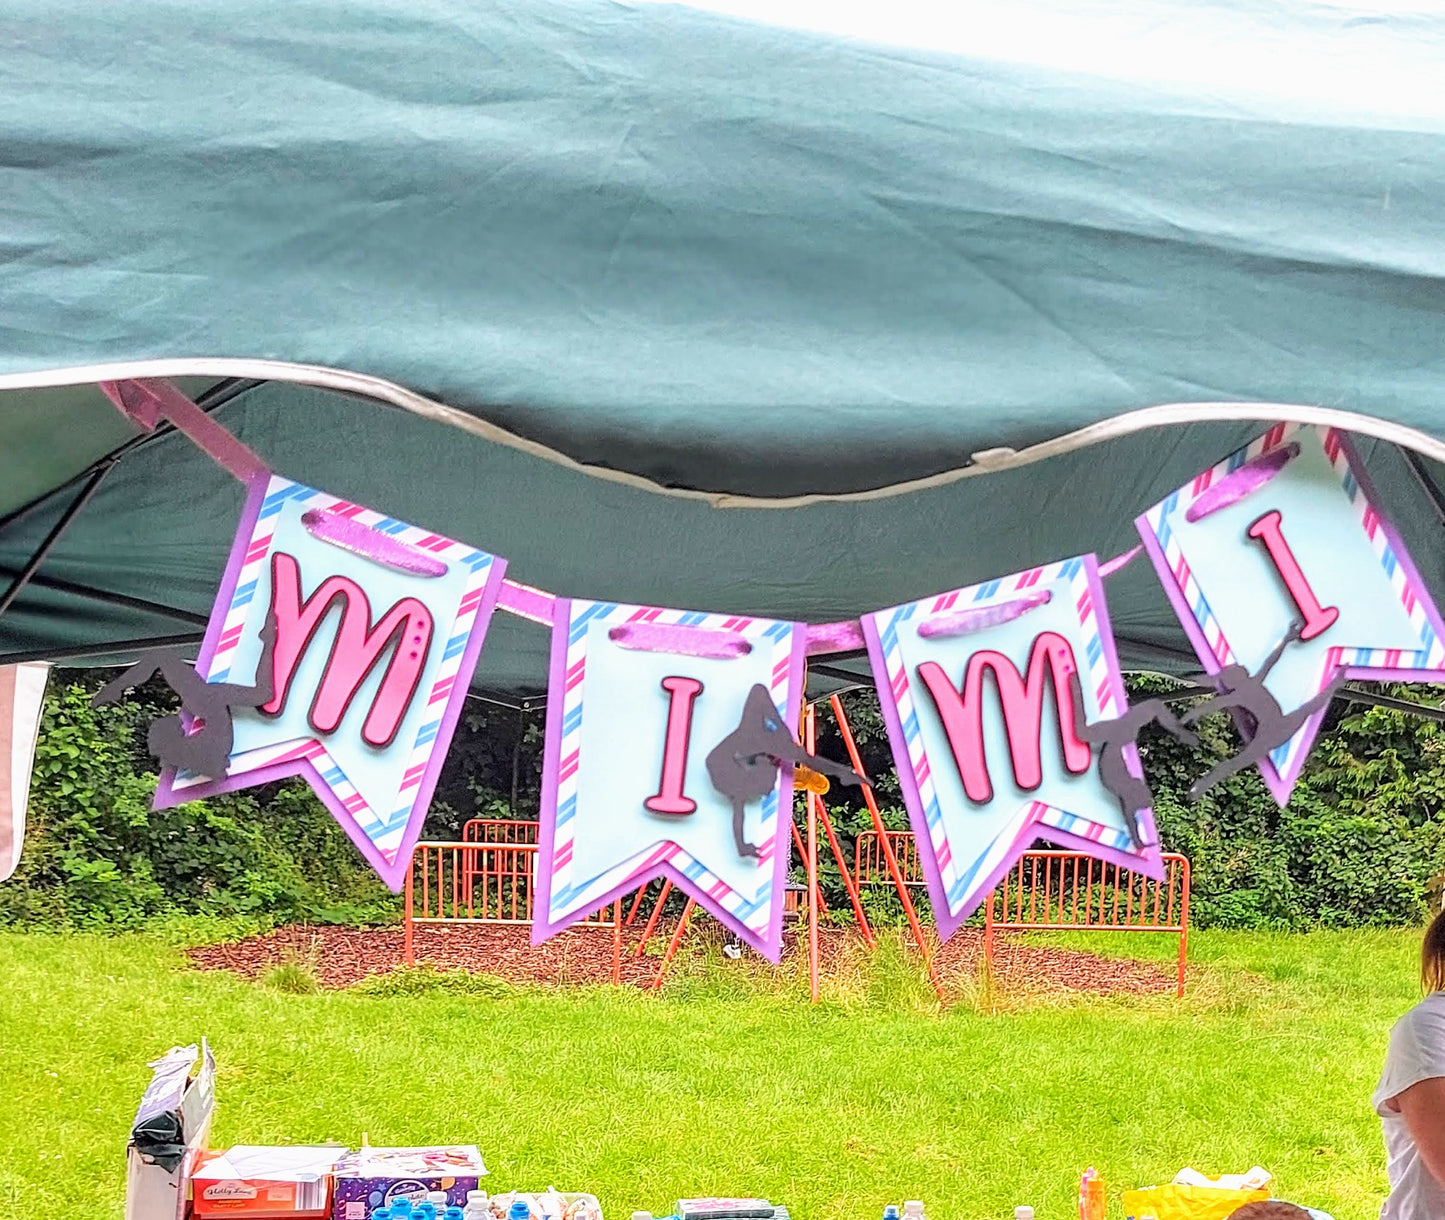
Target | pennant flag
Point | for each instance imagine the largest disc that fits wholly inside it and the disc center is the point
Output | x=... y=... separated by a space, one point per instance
x=664 y=728
x=22 y=698
x=1288 y=579
x=372 y=629
x=988 y=772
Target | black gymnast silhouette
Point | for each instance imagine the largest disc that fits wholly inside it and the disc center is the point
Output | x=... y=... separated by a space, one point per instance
x=1111 y=736
x=1262 y=724
x=743 y=766
x=206 y=749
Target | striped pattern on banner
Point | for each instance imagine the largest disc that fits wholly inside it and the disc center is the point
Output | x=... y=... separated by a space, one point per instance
x=570 y=893
x=962 y=878
x=1431 y=653
x=384 y=827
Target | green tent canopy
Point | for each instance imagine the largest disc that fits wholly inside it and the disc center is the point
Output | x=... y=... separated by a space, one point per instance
x=793 y=309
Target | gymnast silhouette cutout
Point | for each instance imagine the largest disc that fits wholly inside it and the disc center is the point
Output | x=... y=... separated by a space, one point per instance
x=206 y=749
x=1111 y=736
x=1262 y=724
x=743 y=766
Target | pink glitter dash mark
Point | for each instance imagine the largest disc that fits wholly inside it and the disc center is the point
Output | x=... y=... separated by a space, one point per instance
x=1247 y=479
x=682 y=641
x=965 y=621
x=370 y=544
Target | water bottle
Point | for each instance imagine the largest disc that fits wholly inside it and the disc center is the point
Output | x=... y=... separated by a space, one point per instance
x=890 y=1212
x=1024 y=1213
x=476 y=1208
x=913 y=1210
x=453 y=1213
x=641 y=1216
x=381 y=1213
x=400 y=1207
x=519 y=1210
x=438 y=1199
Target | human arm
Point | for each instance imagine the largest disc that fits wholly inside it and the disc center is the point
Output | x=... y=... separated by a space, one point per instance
x=1422 y=1106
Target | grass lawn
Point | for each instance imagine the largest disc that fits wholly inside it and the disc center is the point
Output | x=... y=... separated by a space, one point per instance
x=730 y=1082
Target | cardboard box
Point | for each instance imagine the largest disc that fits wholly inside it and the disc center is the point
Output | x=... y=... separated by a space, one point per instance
x=372 y=1177
x=265 y=1183
x=169 y=1132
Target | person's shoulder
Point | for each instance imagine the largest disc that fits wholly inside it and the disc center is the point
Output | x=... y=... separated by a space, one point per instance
x=1427 y=1016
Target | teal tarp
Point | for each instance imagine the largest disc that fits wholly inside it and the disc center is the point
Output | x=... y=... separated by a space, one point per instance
x=718 y=253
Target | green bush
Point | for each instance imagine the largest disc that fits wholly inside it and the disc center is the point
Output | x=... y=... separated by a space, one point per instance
x=97 y=855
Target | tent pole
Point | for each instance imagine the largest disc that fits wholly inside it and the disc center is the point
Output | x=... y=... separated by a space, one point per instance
x=116 y=599
x=57 y=531
x=811 y=800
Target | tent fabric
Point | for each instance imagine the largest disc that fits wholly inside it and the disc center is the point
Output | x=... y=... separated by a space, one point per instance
x=728 y=254
x=715 y=252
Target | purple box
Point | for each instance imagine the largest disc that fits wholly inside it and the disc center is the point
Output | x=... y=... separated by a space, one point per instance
x=373 y=1177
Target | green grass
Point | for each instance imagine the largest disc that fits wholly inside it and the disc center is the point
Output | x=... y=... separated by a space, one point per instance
x=730 y=1081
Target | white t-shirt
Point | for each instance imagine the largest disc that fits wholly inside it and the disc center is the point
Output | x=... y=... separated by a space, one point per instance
x=1417 y=1052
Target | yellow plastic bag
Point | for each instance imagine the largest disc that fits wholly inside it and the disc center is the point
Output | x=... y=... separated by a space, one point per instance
x=1187 y=1202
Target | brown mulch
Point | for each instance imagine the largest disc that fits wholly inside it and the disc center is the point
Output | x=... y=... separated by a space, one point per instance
x=1019 y=967
x=342 y=957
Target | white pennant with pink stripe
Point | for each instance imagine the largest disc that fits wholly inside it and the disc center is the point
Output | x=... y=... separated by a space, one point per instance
x=607 y=719
x=379 y=793
x=967 y=845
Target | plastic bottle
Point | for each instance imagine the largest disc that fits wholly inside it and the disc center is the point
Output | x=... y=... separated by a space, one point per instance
x=913 y=1210
x=890 y=1212
x=453 y=1213
x=381 y=1213
x=438 y=1199
x=400 y=1207
x=1091 y=1196
x=1024 y=1212
x=519 y=1210
x=641 y=1216
x=476 y=1208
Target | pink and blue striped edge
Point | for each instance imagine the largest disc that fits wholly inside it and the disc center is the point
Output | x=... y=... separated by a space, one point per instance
x=563 y=900
x=386 y=839
x=956 y=887
x=1206 y=635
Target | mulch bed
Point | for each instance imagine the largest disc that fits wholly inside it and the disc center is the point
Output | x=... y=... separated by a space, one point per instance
x=343 y=957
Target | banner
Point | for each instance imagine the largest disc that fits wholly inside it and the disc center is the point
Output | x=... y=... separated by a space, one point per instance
x=985 y=775
x=670 y=744
x=340 y=648
x=342 y=644
x=1288 y=580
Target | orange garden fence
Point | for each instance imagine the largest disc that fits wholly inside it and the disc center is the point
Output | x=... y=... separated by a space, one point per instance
x=490 y=877
x=1067 y=891
x=870 y=862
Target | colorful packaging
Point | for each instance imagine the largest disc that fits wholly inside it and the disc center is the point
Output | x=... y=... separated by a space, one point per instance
x=372 y=1177
x=1174 y=1202
x=724 y=1209
x=265 y=1183
x=169 y=1133
x=551 y=1204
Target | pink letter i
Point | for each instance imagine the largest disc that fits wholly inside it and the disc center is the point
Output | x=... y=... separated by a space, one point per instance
x=1317 y=618
x=669 y=798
